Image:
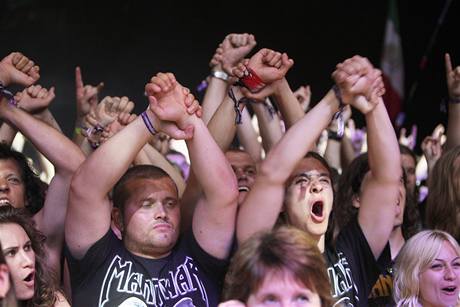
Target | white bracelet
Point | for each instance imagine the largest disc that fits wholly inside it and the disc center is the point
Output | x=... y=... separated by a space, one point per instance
x=219 y=75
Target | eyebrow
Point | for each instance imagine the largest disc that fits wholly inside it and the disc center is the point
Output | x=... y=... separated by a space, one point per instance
x=7 y=249
x=442 y=260
x=308 y=175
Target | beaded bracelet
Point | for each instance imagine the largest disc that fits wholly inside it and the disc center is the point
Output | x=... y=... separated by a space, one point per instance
x=8 y=95
x=148 y=123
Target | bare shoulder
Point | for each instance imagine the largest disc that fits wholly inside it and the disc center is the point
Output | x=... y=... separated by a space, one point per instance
x=61 y=301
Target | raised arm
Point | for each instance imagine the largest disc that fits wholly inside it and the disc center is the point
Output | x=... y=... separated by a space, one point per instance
x=228 y=54
x=453 y=86
x=86 y=100
x=248 y=136
x=380 y=197
x=270 y=67
x=333 y=154
x=223 y=128
x=62 y=153
x=264 y=202
x=269 y=124
x=89 y=212
x=432 y=149
x=214 y=216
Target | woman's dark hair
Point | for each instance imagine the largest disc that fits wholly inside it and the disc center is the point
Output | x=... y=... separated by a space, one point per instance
x=283 y=250
x=34 y=187
x=443 y=203
x=350 y=186
x=45 y=288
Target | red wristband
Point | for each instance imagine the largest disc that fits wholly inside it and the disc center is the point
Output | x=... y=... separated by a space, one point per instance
x=251 y=81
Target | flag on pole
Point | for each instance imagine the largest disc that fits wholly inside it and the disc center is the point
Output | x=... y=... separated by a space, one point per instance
x=392 y=64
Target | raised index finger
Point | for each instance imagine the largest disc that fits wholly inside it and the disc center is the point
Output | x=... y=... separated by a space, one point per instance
x=448 y=63
x=78 y=78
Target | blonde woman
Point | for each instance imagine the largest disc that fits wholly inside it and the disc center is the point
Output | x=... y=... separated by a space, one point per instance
x=428 y=271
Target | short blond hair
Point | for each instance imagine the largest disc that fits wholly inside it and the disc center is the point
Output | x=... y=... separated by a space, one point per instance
x=415 y=257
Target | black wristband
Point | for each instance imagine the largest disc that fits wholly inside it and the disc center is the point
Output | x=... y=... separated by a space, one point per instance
x=334 y=136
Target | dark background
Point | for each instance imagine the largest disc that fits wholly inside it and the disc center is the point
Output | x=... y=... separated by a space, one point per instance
x=124 y=43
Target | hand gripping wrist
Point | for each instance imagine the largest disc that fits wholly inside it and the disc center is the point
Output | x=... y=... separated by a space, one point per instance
x=251 y=81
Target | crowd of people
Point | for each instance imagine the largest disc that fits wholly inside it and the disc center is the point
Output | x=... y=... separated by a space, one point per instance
x=284 y=202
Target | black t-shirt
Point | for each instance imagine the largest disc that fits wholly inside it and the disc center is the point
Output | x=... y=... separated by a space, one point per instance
x=109 y=275
x=343 y=288
x=382 y=292
x=364 y=267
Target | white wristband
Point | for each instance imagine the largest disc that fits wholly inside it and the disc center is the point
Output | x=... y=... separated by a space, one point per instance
x=220 y=75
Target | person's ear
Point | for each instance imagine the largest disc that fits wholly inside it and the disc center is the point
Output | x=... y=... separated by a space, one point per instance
x=117 y=218
x=4 y=280
x=356 y=202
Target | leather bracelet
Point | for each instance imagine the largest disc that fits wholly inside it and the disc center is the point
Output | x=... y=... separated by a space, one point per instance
x=219 y=75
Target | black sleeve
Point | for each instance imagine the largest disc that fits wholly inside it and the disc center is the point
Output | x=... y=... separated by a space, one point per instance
x=365 y=269
x=212 y=266
x=94 y=257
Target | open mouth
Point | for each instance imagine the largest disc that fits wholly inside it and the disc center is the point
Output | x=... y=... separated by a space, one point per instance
x=317 y=209
x=449 y=290
x=30 y=279
x=4 y=202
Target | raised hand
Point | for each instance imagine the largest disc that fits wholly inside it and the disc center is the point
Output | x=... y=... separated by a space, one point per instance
x=432 y=146
x=234 y=48
x=453 y=78
x=360 y=84
x=270 y=65
x=303 y=95
x=110 y=107
x=16 y=68
x=92 y=130
x=106 y=110
x=408 y=140
x=356 y=136
x=170 y=102
x=35 y=98
x=122 y=121
x=269 y=89
x=87 y=95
